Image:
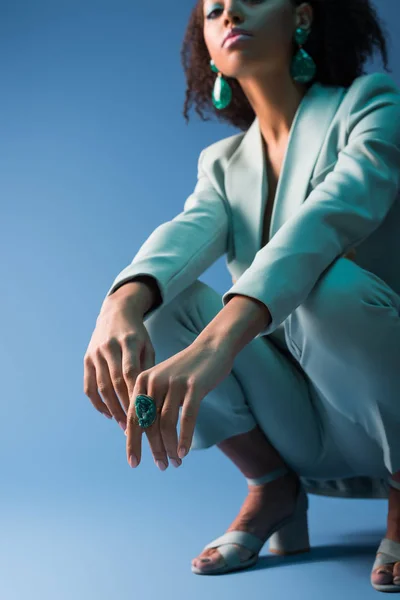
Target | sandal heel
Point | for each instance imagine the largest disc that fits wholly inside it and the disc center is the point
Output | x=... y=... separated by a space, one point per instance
x=293 y=538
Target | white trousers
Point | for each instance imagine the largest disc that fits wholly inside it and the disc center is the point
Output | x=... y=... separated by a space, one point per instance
x=327 y=396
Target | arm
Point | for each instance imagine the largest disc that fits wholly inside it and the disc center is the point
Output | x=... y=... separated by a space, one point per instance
x=145 y=290
x=240 y=321
x=179 y=251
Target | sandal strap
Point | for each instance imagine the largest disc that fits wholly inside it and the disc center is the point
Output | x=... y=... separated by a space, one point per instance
x=384 y=559
x=389 y=552
x=248 y=540
x=391 y=548
x=231 y=555
x=268 y=477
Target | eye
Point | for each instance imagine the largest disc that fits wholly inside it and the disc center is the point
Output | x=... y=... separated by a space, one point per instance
x=209 y=16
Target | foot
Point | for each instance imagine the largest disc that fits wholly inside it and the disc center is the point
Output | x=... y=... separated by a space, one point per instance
x=264 y=506
x=390 y=574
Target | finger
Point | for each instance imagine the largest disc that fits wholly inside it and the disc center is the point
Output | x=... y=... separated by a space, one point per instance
x=169 y=418
x=106 y=388
x=90 y=387
x=153 y=432
x=132 y=352
x=142 y=359
x=156 y=444
x=116 y=369
x=162 y=429
x=134 y=431
x=145 y=359
x=190 y=410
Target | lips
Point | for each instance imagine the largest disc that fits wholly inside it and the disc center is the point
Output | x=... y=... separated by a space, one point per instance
x=234 y=32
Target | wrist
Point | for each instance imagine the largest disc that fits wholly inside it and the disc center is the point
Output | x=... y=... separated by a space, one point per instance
x=143 y=292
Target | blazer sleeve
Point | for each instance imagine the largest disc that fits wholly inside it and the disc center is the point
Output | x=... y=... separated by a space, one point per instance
x=339 y=213
x=178 y=251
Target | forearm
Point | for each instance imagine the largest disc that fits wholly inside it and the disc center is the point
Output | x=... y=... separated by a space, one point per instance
x=144 y=289
x=239 y=322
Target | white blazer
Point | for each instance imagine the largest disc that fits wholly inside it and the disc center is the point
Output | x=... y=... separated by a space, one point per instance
x=338 y=189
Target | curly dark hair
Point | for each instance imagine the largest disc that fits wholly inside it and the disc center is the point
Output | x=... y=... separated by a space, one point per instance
x=345 y=34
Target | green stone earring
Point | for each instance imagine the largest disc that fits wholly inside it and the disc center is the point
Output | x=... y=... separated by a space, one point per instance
x=303 y=67
x=222 y=92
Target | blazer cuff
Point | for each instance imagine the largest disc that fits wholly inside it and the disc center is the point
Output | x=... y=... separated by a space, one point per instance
x=132 y=272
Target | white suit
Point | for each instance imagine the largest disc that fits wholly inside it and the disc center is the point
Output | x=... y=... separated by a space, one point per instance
x=338 y=189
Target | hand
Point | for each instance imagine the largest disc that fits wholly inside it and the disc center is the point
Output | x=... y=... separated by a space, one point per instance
x=181 y=381
x=113 y=358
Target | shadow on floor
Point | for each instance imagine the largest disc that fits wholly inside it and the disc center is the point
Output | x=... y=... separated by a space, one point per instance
x=359 y=552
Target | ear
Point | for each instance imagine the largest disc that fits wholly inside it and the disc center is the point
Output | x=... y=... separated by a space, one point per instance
x=304 y=16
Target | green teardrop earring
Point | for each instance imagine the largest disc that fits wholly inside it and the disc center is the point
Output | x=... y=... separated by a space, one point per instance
x=303 y=67
x=222 y=92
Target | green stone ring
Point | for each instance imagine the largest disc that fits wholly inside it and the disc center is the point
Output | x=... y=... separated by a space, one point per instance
x=146 y=410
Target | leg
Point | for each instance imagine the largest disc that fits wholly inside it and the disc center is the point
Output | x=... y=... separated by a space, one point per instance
x=265 y=504
x=351 y=322
x=346 y=337
x=265 y=394
x=264 y=387
x=390 y=573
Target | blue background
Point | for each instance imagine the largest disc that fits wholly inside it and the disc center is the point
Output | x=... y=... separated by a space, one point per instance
x=94 y=155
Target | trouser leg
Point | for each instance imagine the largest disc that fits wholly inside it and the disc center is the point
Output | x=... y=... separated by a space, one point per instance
x=346 y=337
x=264 y=387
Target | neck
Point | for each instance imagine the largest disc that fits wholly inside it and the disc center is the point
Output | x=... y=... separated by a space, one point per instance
x=275 y=101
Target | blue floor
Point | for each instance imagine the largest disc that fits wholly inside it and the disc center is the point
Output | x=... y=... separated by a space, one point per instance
x=93 y=529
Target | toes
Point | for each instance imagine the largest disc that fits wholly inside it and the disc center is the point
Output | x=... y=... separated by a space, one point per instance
x=382 y=575
x=208 y=561
x=387 y=574
x=396 y=573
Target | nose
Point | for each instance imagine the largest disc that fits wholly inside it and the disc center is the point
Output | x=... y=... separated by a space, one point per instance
x=233 y=12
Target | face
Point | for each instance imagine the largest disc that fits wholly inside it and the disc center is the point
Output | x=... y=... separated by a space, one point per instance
x=272 y=24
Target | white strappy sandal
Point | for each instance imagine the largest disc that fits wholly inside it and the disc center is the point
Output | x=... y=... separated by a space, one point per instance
x=289 y=536
x=388 y=553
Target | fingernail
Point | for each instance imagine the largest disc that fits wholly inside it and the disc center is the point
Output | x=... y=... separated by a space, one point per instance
x=122 y=425
x=161 y=465
x=175 y=463
x=182 y=452
x=108 y=416
x=133 y=461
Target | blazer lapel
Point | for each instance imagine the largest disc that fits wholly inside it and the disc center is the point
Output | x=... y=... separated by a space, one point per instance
x=246 y=175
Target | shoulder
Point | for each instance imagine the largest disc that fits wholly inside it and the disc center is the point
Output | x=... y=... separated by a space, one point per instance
x=372 y=108
x=373 y=82
x=372 y=88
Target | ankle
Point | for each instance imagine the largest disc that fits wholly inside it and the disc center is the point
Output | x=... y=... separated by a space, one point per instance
x=284 y=486
x=268 y=477
x=252 y=453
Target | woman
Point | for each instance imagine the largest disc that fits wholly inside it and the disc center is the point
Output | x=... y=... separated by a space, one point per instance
x=297 y=374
